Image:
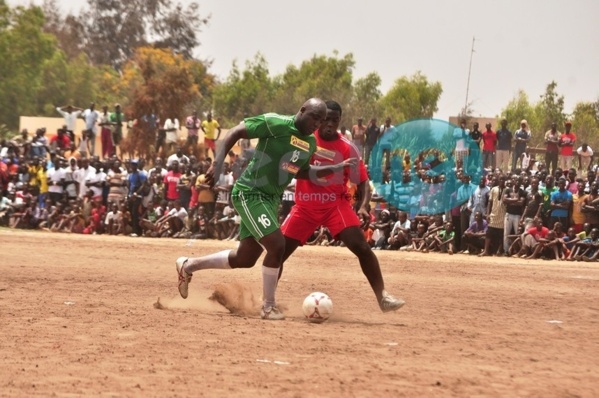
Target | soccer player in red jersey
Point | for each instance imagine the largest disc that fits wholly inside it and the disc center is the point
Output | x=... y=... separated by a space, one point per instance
x=326 y=201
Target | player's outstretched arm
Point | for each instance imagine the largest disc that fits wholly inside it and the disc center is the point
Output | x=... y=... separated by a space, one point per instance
x=323 y=171
x=235 y=134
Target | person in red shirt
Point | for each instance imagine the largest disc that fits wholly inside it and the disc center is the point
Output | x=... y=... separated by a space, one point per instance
x=566 y=142
x=327 y=202
x=489 y=143
x=531 y=239
x=61 y=140
x=171 y=179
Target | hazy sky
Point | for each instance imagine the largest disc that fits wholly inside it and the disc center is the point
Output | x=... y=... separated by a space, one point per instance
x=520 y=44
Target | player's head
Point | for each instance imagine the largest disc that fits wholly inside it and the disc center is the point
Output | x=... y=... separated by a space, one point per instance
x=328 y=129
x=310 y=116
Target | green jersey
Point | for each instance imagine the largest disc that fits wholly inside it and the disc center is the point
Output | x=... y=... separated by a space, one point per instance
x=281 y=152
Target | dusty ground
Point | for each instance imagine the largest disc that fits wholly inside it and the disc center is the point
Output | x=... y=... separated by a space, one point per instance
x=78 y=318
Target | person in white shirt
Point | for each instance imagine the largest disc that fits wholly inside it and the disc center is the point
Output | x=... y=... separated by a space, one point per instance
x=91 y=117
x=71 y=183
x=178 y=156
x=158 y=169
x=400 y=234
x=84 y=174
x=56 y=179
x=460 y=134
x=177 y=218
x=171 y=127
x=70 y=114
x=96 y=182
x=585 y=157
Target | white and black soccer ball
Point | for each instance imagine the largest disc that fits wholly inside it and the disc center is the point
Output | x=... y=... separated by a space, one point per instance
x=317 y=307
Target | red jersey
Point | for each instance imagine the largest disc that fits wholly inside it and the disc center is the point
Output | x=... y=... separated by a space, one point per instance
x=329 y=191
x=542 y=234
x=567 y=138
x=489 y=141
x=171 y=179
x=63 y=142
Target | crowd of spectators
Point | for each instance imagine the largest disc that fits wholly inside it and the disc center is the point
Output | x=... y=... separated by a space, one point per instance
x=528 y=212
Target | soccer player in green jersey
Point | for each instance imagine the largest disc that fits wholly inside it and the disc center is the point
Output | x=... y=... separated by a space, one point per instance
x=285 y=146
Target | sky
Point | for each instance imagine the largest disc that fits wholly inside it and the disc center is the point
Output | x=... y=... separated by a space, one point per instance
x=519 y=44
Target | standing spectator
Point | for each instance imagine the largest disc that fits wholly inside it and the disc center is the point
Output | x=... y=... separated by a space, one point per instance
x=387 y=127
x=193 y=124
x=552 y=148
x=474 y=149
x=534 y=204
x=589 y=207
x=56 y=179
x=561 y=200
x=171 y=180
x=171 y=128
x=116 y=180
x=136 y=181
x=496 y=219
x=567 y=141
x=96 y=182
x=514 y=198
x=489 y=147
x=84 y=174
x=91 y=117
x=184 y=185
x=117 y=119
x=158 y=169
x=346 y=133
x=71 y=185
x=61 y=140
x=522 y=136
x=585 y=157
x=39 y=145
x=106 y=133
x=479 y=200
x=210 y=128
x=70 y=115
x=461 y=150
x=178 y=156
x=504 y=146
x=578 y=199
x=372 y=135
x=358 y=133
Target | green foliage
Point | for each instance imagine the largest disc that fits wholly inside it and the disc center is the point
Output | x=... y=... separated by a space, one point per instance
x=365 y=99
x=412 y=97
x=585 y=120
x=550 y=109
x=247 y=92
x=24 y=49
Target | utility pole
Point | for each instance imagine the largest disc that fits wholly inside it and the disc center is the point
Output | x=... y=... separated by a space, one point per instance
x=469 y=71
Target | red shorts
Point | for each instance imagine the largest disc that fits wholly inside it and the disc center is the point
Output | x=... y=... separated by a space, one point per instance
x=208 y=143
x=302 y=221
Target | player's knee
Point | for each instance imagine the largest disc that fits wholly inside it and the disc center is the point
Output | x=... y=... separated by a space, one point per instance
x=359 y=248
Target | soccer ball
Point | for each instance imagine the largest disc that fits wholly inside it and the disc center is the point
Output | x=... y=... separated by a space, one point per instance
x=317 y=307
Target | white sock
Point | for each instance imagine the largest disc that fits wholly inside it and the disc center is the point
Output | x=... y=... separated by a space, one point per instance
x=270 y=277
x=218 y=260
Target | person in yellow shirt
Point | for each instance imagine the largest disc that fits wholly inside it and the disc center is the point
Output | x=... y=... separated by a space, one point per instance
x=42 y=179
x=210 y=128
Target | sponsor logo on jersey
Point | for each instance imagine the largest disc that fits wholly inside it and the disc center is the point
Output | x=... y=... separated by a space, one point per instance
x=301 y=144
x=325 y=153
x=290 y=168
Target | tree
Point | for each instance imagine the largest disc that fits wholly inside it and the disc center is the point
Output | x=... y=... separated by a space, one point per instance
x=113 y=29
x=412 y=97
x=586 y=123
x=67 y=30
x=366 y=96
x=160 y=82
x=24 y=49
x=321 y=76
x=519 y=108
x=245 y=92
x=550 y=108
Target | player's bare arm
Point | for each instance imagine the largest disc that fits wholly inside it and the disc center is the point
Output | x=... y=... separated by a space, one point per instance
x=235 y=134
x=326 y=170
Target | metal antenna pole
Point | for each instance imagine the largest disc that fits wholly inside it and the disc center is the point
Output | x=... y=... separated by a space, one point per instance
x=469 y=71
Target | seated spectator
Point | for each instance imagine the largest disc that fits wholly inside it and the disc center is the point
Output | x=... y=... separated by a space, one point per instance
x=531 y=239
x=417 y=239
x=400 y=234
x=382 y=230
x=474 y=237
x=444 y=240
x=114 y=219
x=547 y=248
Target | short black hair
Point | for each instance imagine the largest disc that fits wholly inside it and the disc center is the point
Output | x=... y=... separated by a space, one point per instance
x=334 y=106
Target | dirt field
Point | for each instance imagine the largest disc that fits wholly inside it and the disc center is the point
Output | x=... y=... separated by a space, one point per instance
x=78 y=318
